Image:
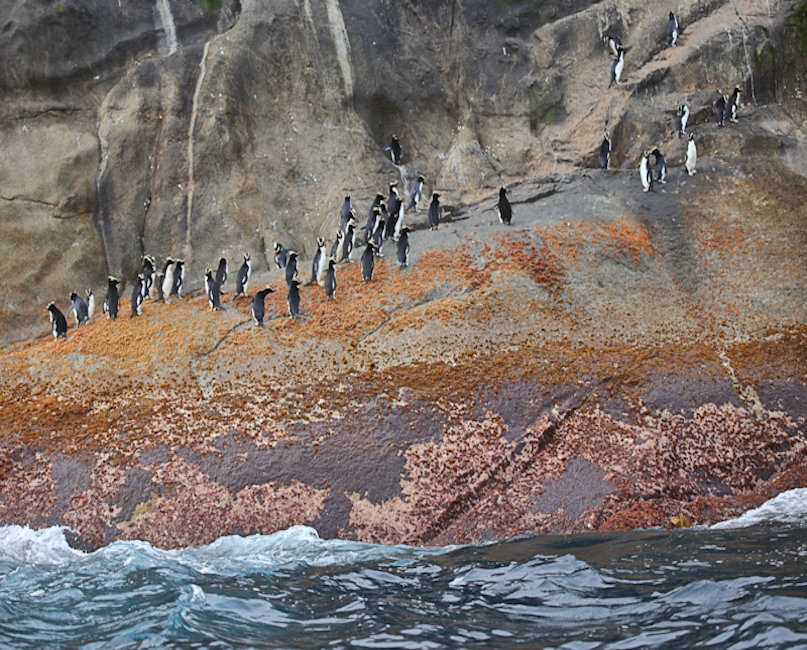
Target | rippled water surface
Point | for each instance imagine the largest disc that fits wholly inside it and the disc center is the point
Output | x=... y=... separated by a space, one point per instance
x=743 y=586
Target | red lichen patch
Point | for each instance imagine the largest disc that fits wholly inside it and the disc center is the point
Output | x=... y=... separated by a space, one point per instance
x=537 y=261
x=644 y=514
x=189 y=509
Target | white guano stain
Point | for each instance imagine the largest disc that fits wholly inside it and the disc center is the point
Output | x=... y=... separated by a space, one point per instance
x=339 y=32
x=168 y=25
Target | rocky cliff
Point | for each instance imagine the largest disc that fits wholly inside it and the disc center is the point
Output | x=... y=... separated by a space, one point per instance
x=612 y=359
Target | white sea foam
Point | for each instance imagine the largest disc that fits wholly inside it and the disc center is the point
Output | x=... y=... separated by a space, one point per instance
x=43 y=546
x=786 y=508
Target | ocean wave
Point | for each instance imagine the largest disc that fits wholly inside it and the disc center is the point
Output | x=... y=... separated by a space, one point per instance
x=788 y=508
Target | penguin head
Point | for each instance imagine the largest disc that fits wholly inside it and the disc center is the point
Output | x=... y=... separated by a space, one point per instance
x=737 y=90
x=347 y=198
x=691 y=136
x=73 y=296
x=378 y=198
x=331 y=263
x=292 y=254
x=672 y=16
x=88 y=292
x=339 y=233
x=246 y=258
x=51 y=307
x=278 y=247
x=377 y=210
x=421 y=179
x=269 y=289
x=112 y=280
x=208 y=274
x=320 y=242
x=502 y=191
x=435 y=196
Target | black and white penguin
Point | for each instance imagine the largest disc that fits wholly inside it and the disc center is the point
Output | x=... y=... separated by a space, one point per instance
x=90 y=304
x=221 y=274
x=672 y=30
x=503 y=207
x=660 y=166
x=159 y=276
x=646 y=173
x=681 y=118
x=435 y=212
x=605 y=151
x=58 y=323
x=368 y=262
x=720 y=110
x=692 y=155
x=213 y=291
x=378 y=233
x=349 y=241
x=378 y=202
x=168 y=277
x=282 y=255
x=733 y=104
x=345 y=213
x=617 y=65
x=79 y=309
x=147 y=271
x=258 y=309
x=613 y=42
x=179 y=278
x=111 y=298
x=395 y=152
x=242 y=278
x=291 y=267
x=416 y=193
x=337 y=242
x=318 y=264
x=394 y=214
x=137 y=297
x=293 y=298
x=403 y=248
x=330 y=280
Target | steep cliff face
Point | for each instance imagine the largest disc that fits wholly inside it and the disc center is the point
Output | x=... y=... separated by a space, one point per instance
x=173 y=129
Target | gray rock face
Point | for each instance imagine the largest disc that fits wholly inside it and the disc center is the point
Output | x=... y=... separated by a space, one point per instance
x=168 y=128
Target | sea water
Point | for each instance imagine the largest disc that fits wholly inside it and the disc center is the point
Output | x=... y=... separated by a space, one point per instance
x=741 y=584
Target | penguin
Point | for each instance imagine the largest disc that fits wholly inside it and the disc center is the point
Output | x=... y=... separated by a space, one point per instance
x=349 y=241
x=242 y=278
x=111 y=298
x=158 y=283
x=378 y=233
x=672 y=30
x=395 y=152
x=179 y=278
x=291 y=267
x=58 y=323
x=617 y=65
x=282 y=255
x=692 y=155
x=168 y=277
x=378 y=202
x=330 y=280
x=213 y=291
x=368 y=262
x=396 y=227
x=90 y=304
x=345 y=213
x=293 y=298
x=318 y=265
x=394 y=214
x=613 y=42
x=733 y=104
x=221 y=274
x=720 y=110
x=78 y=309
x=393 y=194
x=645 y=173
x=660 y=166
x=257 y=310
x=605 y=151
x=403 y=248
x=147 y=271
x=337 y=243
x=681 y=118
x=137 y=297
x=503 y=207
x=416 y=193
x=435 y=212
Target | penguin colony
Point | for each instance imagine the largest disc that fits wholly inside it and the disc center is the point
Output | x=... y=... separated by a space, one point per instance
x=725 y=107
x=384 y=221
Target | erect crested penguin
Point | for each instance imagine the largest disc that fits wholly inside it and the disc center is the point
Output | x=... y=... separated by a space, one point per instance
x=394 y=148
x=394 y=214
x=111 y=298
x=378 y=202
x=720 y=110
x=179 y=278
x=605 y=151
x=337 y=242
x=293 y=298
x=345 y=213
x=291 y=267
x=257 y=310
x=661 y=165
x=672 y=30
x=617 y=65
x=692 y=155
x=435 y=211
x=78 y=309
x=242 y=278
x=148 y=276
x=378 y=233
x=90 y=304
x=137 y=297
x=281 y=255
x=368 y=261
x=159 y=275
x=403 y=248
x=416 y=193
x=349 y=241
x=58 y=323
x=503 y=207
x=681 y=118
x=221 y=274
x=645 y=172
x=168 y=277
x=613 y=42
x=318 y=264
x=330 y=280
x=733 y=104
x=213 y=291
